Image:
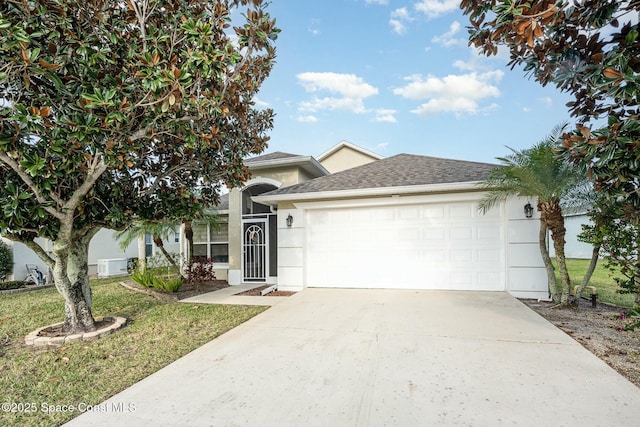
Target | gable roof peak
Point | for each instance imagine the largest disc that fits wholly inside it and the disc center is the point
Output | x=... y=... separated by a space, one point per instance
x=347 y=144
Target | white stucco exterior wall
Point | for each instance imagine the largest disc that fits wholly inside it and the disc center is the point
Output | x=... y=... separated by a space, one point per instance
x=526 y=274
x=291 y=250
x=105 y=246
x=573 y=247
x=22 y=255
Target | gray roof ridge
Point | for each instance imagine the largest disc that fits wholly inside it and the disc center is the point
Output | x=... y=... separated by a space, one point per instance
x=443 y=158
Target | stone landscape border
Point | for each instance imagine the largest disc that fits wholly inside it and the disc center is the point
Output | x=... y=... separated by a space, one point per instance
x=33 y=339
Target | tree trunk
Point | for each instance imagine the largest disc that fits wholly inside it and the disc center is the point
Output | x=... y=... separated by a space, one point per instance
x=546 y=259
x=551 y=213
x=157 y=240
x=587 y=275
x=142 y=254
x=71 y=278
x=188 y=234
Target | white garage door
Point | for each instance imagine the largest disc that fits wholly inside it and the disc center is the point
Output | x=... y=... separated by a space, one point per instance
x=425 y=246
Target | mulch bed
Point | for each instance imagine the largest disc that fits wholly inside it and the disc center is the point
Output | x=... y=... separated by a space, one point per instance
x=56 y=331
x=185 y=291
x=188 y=291
x=255 y=292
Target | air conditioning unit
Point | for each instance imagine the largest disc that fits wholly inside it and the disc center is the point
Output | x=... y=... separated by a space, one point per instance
x=112 y=267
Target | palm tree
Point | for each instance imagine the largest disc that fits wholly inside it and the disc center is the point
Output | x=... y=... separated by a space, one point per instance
x=140 y=228
x=538 y=173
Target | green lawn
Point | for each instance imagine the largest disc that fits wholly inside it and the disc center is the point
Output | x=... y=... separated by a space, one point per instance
x=602 y=279
x=89 y=373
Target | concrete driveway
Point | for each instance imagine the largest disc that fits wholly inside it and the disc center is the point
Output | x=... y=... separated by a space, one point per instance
x=340 y=357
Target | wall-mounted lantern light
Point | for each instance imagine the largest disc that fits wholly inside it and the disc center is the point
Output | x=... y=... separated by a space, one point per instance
x=528 y=210
x=289 y=220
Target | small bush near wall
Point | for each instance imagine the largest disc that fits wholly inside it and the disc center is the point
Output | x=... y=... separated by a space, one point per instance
x=6 y=260
x=16 y=284
x=150 y=279
x=201 y=270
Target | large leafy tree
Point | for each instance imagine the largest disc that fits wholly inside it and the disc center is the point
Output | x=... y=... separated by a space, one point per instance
x=537 y=172
x=115 y=111
x=590 y=49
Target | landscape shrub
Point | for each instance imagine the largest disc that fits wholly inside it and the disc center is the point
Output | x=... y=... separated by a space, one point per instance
x=634 y=315
x=6 y=260
x=14 y=284
x=150 y=279
x=200 y=271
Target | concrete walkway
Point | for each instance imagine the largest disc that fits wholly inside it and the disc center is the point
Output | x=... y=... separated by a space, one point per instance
x=330 y=357
x=229 y=295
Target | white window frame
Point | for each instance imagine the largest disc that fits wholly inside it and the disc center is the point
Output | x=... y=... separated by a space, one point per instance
x=209 y=243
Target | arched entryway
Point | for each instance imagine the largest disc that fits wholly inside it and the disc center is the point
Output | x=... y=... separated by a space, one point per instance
x=259 y=235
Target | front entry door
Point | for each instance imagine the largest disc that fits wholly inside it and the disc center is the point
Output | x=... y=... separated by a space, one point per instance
x=255 y=244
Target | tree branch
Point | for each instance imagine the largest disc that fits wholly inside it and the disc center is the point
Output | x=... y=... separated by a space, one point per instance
x=4 y=157
x=31 y=244
x=96 y=169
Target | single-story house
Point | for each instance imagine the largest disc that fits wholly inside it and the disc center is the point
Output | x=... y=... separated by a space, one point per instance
x=353 y=219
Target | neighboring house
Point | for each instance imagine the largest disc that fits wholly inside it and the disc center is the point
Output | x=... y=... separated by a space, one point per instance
x=407 y=222
x=103 y=246
x=574 y=248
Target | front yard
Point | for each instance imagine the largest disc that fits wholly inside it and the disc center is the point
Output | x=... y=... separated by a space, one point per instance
x=38 y=387
x=602 y=279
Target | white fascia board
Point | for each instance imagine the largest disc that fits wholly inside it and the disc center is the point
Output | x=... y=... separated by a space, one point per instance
x=370 y=192
x=289 y=161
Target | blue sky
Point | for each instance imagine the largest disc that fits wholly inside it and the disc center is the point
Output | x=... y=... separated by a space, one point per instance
x=397 y=76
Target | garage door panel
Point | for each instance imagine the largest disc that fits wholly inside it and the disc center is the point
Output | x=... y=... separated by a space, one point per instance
x=425 y=246
x=462 y=211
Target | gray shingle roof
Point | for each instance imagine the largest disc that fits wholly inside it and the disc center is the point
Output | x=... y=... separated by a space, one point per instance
x=271 y=156
x=223 y=205
x=397 y=171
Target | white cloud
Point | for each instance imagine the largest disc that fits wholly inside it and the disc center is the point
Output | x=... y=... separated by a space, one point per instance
x=333 y=103
x=453 y=93
x=348 y=85
x=401 y=13
x=260 y=103
x=398 y=20
x=385 y=116
x=397 y=26
x=448 y=39
x=547 y=101
x=307 y=119
x=478 y=62
x=382 y=146
x=383 y=2
x=435 y=8
x=349 y=88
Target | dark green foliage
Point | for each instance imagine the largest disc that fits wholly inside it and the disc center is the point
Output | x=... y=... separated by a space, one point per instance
x=634 y=316
x=616 y=229
x=150 y=279
x=6 y=260
x=591 y=50
x=14 y=284
x=121 y=111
